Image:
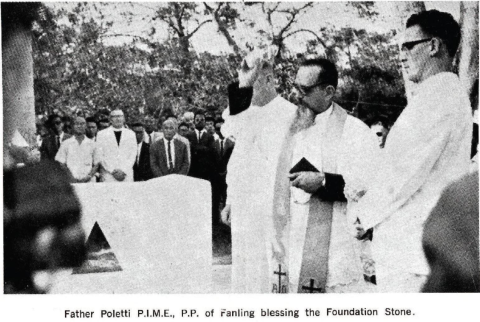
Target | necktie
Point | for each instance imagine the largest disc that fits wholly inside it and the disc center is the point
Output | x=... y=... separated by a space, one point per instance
x=150 y=138
x=221 y=147
x=139 y=149
x=170 y=163
x=58 y=141
x=199 y=136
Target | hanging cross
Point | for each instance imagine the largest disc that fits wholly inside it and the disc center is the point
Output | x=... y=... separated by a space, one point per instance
x=280 y=274
x=311 y=288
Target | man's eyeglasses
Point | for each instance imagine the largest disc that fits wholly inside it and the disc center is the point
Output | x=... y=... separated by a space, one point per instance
x=409 y=45
x=305 y=90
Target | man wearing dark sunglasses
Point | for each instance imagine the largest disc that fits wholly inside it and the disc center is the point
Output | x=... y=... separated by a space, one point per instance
x=51 y=143
x=427 y=148
x=343 y=152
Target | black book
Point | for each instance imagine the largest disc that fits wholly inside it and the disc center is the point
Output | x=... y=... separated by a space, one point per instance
x=303 y=165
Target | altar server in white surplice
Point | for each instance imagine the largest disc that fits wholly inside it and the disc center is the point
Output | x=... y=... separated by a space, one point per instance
x=344 y=151
x=428 y=147
x=260 y=125
x=118 y=146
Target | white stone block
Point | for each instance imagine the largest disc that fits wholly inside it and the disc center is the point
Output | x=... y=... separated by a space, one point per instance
x=160 y=231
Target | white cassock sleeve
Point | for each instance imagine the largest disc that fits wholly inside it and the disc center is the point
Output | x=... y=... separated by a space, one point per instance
x=410 y=156
x=357 y=162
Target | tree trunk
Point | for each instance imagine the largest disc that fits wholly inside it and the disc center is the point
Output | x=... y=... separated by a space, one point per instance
x=404 y=11
x=17 y=77
x=467 y=56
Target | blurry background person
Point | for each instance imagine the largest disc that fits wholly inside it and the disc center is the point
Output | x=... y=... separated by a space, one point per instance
x=150 y=129
x=202 y=150
x=380 y=129
x=67 y=124
x=92 y=128
x=183 y=129
x=51 y=143
x=79 y=153
x=210 y=127
x=103 y=123
x=141 y=168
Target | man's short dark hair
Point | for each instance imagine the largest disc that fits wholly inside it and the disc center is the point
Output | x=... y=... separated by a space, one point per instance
x=199 y=112
x=328 y=74
x=183 y=124
x=209 y=119
x=438 y=24
x=137 y=124
x=90 y=119
x=170 y=115
x=51 y=119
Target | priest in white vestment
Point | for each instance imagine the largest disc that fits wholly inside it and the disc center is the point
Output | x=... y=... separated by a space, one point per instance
x=118 y=146
x=344 y=151
x=427 y=148
x=259 y=124
x=259 y=186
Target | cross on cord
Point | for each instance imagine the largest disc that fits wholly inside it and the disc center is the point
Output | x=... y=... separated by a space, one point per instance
x=280 y=274
x=311 y=288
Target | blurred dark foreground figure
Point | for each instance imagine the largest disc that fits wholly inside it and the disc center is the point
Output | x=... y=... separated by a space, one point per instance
x=41 y=223
x=451 y=239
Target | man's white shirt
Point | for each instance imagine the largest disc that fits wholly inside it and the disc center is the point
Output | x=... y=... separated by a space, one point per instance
x=78 y=157
x=172 y=151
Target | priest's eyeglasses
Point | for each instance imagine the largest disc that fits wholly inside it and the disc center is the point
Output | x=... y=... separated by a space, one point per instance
x=305 y=90
x=409 y=45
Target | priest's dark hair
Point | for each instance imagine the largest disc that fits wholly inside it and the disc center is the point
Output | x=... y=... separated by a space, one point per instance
x=328 y=74
x=440 y=25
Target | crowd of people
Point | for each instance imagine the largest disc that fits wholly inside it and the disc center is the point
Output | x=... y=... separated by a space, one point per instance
x=104 y=148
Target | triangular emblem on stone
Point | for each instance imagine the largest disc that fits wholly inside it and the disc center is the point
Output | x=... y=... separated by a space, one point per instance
x=100 y=256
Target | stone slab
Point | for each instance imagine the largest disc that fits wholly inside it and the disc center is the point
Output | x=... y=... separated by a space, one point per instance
x=160 y=232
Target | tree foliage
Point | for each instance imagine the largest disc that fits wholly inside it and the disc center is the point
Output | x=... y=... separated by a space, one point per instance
x=74 y=68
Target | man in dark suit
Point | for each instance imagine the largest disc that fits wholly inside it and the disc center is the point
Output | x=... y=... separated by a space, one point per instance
x=202 y=150
x=223 y=151
x=168 y=155
x=141 y=168
x=51 y=143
